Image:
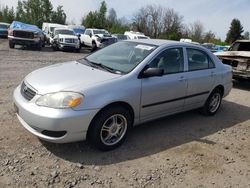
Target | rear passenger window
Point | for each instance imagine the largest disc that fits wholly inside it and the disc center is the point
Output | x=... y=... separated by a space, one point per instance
x=198 y=60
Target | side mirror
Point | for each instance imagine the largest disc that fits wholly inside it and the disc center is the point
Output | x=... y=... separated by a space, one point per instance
x=90 y=34
x=151 y=72
x=79 y=35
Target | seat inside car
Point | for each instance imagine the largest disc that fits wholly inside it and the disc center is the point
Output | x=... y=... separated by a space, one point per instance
x=170 y=61
x=198 y=61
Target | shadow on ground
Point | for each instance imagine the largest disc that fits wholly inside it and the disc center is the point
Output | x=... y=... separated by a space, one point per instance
x=156 y=136
x=242 y=84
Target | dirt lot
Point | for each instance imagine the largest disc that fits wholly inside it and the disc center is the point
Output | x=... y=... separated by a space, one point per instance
x=185 y=150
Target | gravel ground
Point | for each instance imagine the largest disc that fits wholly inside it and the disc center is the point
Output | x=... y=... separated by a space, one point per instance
x=185 y=150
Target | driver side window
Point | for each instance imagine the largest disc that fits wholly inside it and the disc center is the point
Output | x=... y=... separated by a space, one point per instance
x=170 y=60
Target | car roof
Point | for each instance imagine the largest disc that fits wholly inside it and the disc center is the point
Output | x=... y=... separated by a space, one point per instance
x=3 y=23
x=63 y=28
x=242 y=41
x=162 y=42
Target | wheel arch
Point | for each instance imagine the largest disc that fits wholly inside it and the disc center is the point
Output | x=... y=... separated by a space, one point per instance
x=111 y=105
x=221 y=88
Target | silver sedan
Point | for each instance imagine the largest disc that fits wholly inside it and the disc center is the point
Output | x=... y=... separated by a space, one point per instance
x=101 y=96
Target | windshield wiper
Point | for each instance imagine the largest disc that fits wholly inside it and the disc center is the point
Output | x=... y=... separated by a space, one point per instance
x=99 y=65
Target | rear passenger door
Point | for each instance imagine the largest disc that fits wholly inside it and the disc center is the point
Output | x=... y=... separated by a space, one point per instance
x=200 y=77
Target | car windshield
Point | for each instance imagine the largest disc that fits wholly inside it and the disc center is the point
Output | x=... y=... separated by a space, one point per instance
x=64 y=32
x=240 y=46
x=79 y=31
x=2 y=26
x=100 y=32
x=122 y=57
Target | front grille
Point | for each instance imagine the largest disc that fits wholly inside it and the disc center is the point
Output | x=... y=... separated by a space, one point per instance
x=23 y=34
x=27 y=92
x=69 y=40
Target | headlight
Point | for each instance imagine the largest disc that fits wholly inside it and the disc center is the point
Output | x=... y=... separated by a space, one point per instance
x=99 y=39
x=60 y=100
x=61 y=40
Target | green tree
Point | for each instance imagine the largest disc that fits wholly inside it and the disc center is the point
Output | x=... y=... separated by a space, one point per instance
x=235 y=31
x=96 y=19
x=59 y=16
x=20 y=14
x=246 y=35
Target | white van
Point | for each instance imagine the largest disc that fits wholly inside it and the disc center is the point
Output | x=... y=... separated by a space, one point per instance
x=48 y=29
x=135 y=35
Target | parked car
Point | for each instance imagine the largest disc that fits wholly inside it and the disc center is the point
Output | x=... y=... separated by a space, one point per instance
x=26 y=35
x=65 y=39
x=120 y=37
x=78 y=30
x=101 y=96
x=219 y=48
x=48 y=29
x=210 y=46
x=238 y=56
x=4 y=29
x=97 y=38
x=135 y=35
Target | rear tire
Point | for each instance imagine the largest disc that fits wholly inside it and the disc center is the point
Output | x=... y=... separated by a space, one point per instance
x=213 y=103
x=11 y=44
x=109 y=128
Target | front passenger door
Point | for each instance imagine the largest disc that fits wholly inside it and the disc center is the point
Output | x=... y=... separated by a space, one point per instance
x=164 y=95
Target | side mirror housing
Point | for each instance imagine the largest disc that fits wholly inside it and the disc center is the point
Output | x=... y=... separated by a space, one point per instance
x=151 y=72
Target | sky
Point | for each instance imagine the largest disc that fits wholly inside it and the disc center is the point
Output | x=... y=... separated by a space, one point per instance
x=216 y=15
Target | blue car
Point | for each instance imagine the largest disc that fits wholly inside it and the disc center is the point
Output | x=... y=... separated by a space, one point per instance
x=4 y=29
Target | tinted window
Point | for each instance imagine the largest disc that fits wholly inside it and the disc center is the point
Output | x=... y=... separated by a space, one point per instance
x=171 y=60
x=240 y=46
x=198 y=60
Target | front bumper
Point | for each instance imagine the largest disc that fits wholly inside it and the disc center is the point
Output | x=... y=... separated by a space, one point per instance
x=70 y=124
x=65 y=46
x=24 y=41
x=241 y=74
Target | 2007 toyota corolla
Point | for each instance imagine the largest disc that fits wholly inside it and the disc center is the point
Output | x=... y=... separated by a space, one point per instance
x=101 y=96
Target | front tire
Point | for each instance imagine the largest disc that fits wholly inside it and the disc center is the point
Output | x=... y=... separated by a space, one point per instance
x=94 y=47
x=109 y=129
x=213 y=103
x=11 y=44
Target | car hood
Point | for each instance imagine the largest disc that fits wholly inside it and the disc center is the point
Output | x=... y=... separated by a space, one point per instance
x=104 y=36
x=68 y=36
x=233 y=54
x=61 y=77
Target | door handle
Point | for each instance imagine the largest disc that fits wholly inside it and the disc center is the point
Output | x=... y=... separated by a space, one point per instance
x=212 y=73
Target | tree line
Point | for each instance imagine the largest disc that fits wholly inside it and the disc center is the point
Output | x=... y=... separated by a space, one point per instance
x=152 y=20
x=33 y=12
